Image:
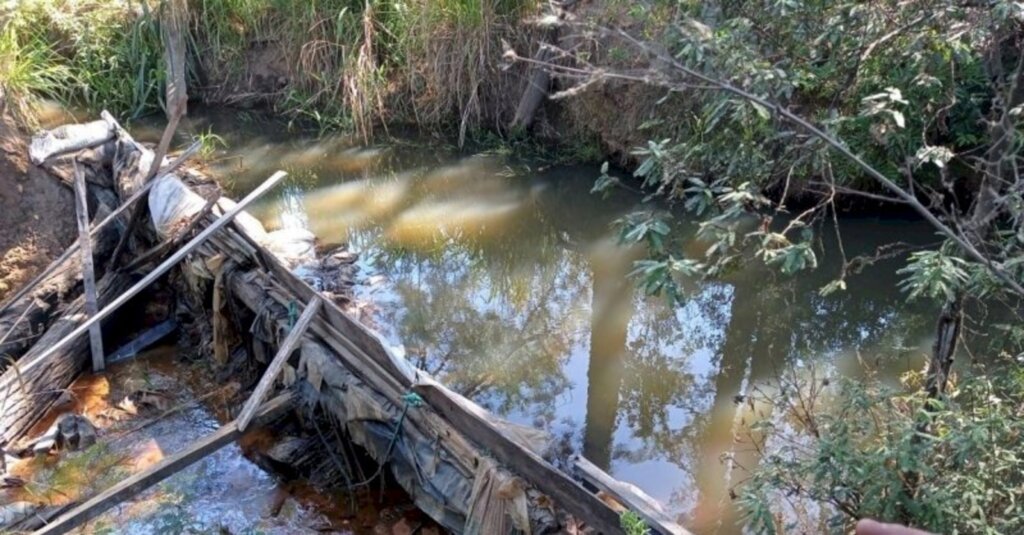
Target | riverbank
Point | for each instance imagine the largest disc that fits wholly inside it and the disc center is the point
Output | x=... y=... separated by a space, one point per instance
x=29 y=240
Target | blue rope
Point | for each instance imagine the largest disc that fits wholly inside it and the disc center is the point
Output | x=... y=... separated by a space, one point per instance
x=410 y=399
x=293 y=313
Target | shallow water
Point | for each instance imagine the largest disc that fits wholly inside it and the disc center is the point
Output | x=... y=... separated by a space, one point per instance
x=504 y=278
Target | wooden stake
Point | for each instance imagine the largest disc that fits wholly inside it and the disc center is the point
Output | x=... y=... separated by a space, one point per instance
x=159 y=271
x=88 y=273
x=276 y=365
x=169 y=466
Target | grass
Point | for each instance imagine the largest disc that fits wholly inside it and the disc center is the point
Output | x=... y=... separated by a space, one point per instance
x=344 y=64
x=92 y=53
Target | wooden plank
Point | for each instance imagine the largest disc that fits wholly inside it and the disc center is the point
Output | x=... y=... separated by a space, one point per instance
x=144 y=340
x=630 y=496
x=360 y=339
x=423 y=424
x=160 y=270
x=167 y=467
x=276 y=365
x=88 y=273
x=467 y=417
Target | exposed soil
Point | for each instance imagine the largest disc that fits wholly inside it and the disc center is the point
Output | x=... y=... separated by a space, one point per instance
x=36 y=212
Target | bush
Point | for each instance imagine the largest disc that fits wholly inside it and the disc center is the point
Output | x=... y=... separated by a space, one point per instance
x=863 y=453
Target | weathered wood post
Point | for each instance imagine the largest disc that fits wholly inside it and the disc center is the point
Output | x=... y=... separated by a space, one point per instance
x=88 y=273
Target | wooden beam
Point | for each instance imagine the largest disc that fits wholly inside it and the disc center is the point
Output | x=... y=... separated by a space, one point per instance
x=469 y=419
x=631 y=497
x=160 y=270
x=88 y=273
x=276 y=365
x=167 y=467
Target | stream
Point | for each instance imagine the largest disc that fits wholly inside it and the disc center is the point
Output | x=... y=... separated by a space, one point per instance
x=503 y=277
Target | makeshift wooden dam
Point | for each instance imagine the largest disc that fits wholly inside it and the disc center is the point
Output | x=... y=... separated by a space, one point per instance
x=469 y=470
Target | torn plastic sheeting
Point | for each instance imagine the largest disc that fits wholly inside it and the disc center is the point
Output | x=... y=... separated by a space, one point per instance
x=433 y=481
x=172 y=204
x=491 y=500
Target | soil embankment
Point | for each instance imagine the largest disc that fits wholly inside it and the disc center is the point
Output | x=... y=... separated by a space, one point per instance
x=36 y=212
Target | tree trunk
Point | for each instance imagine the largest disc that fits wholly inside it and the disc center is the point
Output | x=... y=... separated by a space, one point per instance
x=947 y=332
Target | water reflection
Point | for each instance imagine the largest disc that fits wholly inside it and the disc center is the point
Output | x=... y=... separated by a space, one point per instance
x=506 y=282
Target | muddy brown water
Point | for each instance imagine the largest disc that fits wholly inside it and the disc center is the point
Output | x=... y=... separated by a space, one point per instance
x=504 y=278
x=225 y=492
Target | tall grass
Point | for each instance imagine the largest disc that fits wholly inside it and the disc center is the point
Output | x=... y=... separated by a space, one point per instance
x=349 y=64
x=92 y=53
x=27 y=70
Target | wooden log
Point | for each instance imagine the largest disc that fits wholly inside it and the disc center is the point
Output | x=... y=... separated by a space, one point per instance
x=27 y=314
x=534 y=93
x=26 y=393
x=270 y=375
x=159 y=271
x=88 y=273
x=466 y=416
x=167 y=467
x=631 y=497
x=423 y=425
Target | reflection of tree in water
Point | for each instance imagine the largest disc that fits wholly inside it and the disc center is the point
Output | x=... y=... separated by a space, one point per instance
x=499 y=316
x=494 y=319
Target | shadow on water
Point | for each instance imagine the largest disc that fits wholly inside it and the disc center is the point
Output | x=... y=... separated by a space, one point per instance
x=504 y=279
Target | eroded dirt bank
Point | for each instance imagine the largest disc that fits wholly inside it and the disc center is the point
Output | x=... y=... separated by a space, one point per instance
x=36 y=212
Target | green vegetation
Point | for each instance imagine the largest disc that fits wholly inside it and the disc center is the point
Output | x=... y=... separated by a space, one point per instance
x=344 y=64
x=98 y=54
x=867 y=443
x=772 y=114
x=632 y=524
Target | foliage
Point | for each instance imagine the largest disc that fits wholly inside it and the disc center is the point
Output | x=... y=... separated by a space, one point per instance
x=853 y=452
x=94 y=53
x=908 y=87
x=210 y=143
x=632 y=524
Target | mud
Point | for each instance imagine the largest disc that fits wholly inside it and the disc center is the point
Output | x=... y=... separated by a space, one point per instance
x=37 y=220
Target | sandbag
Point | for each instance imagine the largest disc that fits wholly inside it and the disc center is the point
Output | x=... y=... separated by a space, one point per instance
x=68 y=138
x=172 y=205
